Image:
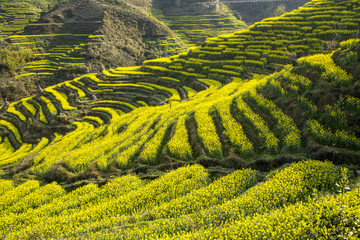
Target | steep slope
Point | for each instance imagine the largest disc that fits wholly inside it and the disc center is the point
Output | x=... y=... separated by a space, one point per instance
x=127 y=30
x=210 y=105
x=77 y=37
x=193 y=22
x=87 y=31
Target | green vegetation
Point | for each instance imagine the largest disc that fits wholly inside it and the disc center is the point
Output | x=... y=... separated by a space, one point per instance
x=202 y=111
x=17 y=14
x=14 y=59
x=185 y=203
x=193 y=27
x=210 y=143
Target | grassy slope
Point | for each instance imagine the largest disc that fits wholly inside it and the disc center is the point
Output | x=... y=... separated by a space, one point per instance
x=222 y=127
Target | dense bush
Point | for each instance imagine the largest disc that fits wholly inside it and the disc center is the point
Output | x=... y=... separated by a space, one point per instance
x=13 y=59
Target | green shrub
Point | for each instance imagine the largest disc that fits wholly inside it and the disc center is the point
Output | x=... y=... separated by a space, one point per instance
x=14 y=59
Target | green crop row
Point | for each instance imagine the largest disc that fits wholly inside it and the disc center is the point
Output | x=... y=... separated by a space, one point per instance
x=61 y=97
x=179 y=145
x=268 y=139
x=240 y=143
x=340 y=138
x=319 y=218
x=291 y=185
x=218 y=192
x=170 y=186
x=307 y=106
x=349 y=103
x=285 y=124
x=329 y=70
x=12 y=128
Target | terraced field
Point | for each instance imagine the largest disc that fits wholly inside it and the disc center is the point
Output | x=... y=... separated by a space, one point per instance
x=56 y=51
x=192 y=28
x=15 y=16
x=63 y=48
x=194 y=139
x=183 y=109
x=18 y=15
x=70 y=50
x=216 y=114
x=170 y=45
x=62 y=45
x=50 y=59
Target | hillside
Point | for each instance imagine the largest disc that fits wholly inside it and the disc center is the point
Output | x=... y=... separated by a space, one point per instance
x=194 y=21
x=78 y=37
x=199 y=116
x=212 y=143
x=15 y=15
x=65 y=39
x=124 y=30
